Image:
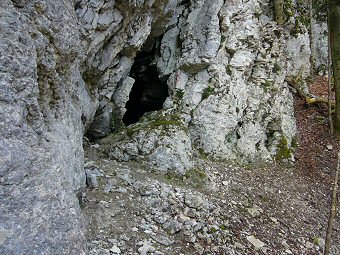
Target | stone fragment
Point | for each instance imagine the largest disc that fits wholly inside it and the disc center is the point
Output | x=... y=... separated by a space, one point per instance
x=199 y=248
x=173 y=226
x=162 y=239
x=109 y=185
x=329 y=147
x=255 y=211
x=145 y=249
x=258 y=244
x=115 y=250
x=91 y=180
x=239 y=246
x=193 y=201
x=309 y=245
x=182 y=218
x=225 y=183
x=274 y=220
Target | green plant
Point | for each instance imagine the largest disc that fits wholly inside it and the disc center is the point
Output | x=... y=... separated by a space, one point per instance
x=195 y=173
x=179 y=94
x=212 y=230
x=277 y=68
x=207 y=92
x=223 y=227
x=228 y=70
x=267 y=85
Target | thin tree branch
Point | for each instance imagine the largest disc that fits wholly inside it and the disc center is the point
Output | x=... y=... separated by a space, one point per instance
x=333 y=209
x=329 y=78
x=306 y=95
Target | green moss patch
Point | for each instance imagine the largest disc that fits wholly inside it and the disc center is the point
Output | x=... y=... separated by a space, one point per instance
x=284 y=151
x=207 y=92
x=155 y=121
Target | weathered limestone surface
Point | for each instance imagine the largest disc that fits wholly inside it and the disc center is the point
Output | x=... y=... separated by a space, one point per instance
x=42 y=101
x=54 y=57
x=226 y=64
x=320 y=46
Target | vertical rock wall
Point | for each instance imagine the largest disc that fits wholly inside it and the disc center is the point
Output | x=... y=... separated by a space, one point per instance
x=226 y=66
x=42 y=101
x=60 y=62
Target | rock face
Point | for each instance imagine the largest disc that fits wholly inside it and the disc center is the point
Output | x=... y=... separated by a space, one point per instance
x=43 y=100
x=58 y=68
x=66 y=68
x=225 y=66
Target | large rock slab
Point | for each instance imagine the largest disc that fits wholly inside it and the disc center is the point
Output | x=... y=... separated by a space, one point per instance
x=42 y=102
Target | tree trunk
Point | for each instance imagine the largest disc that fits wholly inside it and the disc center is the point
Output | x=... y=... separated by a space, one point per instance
x=329 y=64
x=334 y=33
x=311 y=39
x=278 y=11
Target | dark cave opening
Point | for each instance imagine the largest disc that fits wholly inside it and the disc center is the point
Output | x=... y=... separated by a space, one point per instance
x=148 y=92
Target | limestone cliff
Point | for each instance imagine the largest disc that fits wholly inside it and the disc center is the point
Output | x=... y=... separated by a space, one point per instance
x=224 y=65
x=208 y=76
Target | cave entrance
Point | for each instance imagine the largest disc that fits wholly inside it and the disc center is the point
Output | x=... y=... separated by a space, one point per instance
x=148 y=92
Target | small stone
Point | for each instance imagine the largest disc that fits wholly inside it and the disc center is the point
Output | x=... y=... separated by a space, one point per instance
x=158 y=253
x=182 y=218
x=109 y=186
x=166 y=241
x=161 y=219
x=154 y=228
x=193 y=201
x=239 y=246
x=121 y=190
x=112 y=241
x=173 y=226
x=91 y=180
x=127 y=178
x=192 y=239
x=309 y=245
x=115 y=250
x=145 y=249
x=225 y=183
x=134 y=229
x=91 y=163
x=255 y=211
x=274 y=220
x=198 y=248
x=258 y=244
x=329 y=147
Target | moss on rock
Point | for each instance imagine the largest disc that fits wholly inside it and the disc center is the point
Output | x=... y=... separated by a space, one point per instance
x=155 y=121
x=284 y=151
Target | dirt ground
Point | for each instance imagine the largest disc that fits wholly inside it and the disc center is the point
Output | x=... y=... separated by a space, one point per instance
x=236 y=209
x=317 y=149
